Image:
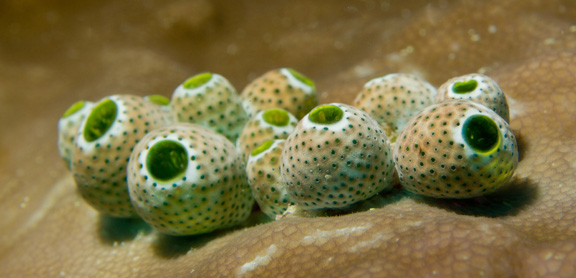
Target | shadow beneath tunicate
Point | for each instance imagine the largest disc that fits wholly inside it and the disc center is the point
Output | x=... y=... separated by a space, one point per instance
x=509 y=201
x=257 y=217
x=114 y=230
x=171 y=247
x=381 y=200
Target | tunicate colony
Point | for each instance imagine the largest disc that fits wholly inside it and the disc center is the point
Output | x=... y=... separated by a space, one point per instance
x=197 y=162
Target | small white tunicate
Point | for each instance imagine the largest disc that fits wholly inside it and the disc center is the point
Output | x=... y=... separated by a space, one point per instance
x=549 y=41
x=474 y=36
x=362 y=71
x=407 y=50
x=492 y=29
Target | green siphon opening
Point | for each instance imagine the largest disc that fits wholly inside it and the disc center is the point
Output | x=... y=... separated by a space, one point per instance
x=277 y=117
x=465 y=86
x=159 y=99
x=100 y=120
x=302 y=78
x=167 y=160
x=326 y=114
x=481 y=133
x=260 y=149
x=197 y=80
x=74 y=108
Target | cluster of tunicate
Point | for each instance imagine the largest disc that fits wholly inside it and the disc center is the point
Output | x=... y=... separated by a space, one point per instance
x=198 y=161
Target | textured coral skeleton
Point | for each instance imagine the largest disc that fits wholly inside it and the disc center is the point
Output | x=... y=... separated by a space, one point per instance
x=527 y=230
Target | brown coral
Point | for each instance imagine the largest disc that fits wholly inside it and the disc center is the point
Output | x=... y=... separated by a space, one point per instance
x=54 y=53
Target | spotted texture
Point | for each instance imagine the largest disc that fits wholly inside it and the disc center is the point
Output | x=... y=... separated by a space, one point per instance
x=476 y=87
x=280 y=88
x=68 y=126
x=257 y=131
x=99 y=166
x=46 y=230
x=442 y=154
x=214 y=104
x=268 y=189
x=338 y=164
x=394 y=98
x=211 y=194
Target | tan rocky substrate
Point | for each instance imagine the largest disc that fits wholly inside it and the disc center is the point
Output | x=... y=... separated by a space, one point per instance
x=54 y=54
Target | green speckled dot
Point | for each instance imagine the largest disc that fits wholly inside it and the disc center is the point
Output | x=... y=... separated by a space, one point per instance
x=197 y=80
x=100 y=120
x=167 y=160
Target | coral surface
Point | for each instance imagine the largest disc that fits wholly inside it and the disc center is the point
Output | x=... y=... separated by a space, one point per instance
x=54 y=53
